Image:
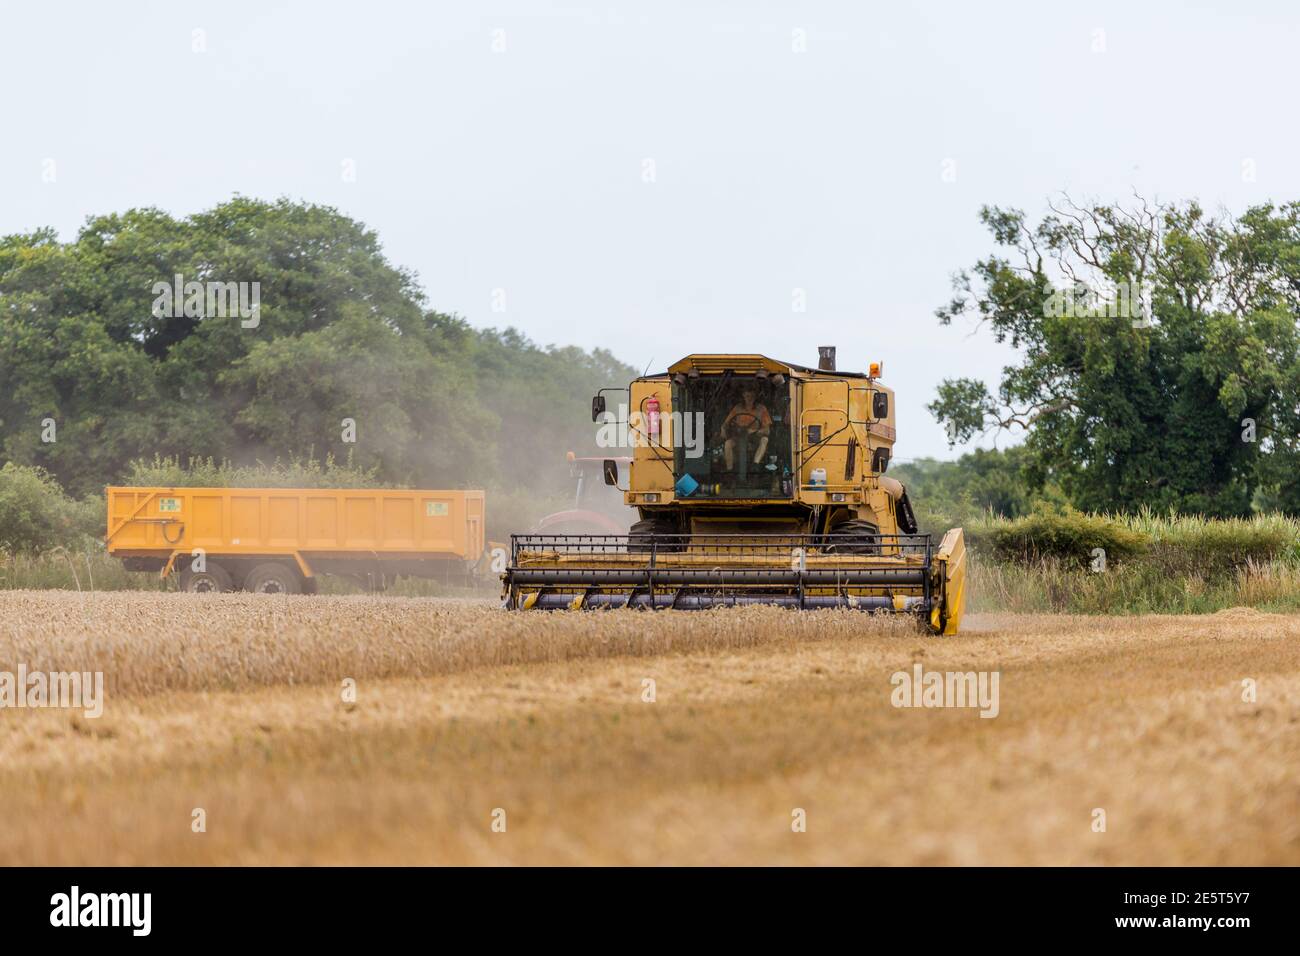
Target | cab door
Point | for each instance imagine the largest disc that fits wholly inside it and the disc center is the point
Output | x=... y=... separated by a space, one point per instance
x=824 y=435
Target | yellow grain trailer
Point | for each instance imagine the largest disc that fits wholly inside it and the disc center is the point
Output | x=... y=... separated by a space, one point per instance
x=277 y=540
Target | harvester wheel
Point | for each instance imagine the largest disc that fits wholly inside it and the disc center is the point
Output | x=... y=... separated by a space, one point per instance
x=865 y=538
x=273 y=578
x=212 y=580
x=646 y=533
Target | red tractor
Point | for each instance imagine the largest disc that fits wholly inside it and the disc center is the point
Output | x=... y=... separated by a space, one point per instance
x=597 y=508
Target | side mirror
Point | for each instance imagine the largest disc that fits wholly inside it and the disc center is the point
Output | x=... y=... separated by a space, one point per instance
x=880 y=460
x=609 y=467
x=597 y=407
x=879 y=405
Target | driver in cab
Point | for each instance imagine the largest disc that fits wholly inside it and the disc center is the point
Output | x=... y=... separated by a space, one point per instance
x=748 y=419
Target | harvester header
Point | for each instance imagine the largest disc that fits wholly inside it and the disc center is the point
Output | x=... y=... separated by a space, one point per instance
x=754 y=481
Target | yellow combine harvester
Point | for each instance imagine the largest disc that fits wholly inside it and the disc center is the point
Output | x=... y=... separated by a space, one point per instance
x=756 y=482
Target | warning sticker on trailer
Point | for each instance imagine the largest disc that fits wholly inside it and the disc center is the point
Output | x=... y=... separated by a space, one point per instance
x=436 y=509
x=169 y=504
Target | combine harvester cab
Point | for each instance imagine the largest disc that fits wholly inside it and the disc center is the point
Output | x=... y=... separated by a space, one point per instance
x=756 y=482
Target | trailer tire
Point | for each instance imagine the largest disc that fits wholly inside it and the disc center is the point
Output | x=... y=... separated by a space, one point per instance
x=273 y=578
x=214 y=580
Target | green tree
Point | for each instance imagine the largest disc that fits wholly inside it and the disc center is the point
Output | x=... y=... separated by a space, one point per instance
x=414 y=411
x=979 y=481
x=86 y=341
x=1155 y=342
x=36 y=515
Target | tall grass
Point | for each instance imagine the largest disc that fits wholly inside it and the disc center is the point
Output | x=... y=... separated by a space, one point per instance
x=1191 y=544
x=1174 y=542
x=310 y=472
x=1162 y=564
x=1049 y=587
x=74 y=570
x=93 y=569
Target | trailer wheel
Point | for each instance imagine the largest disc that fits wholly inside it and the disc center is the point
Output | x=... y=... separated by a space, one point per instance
x=214 y=580
x=273 y=578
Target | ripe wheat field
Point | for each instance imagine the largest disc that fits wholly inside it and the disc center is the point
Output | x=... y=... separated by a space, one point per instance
x=466 y=716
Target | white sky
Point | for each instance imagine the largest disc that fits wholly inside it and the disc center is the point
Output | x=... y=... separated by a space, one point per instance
x=522 y=170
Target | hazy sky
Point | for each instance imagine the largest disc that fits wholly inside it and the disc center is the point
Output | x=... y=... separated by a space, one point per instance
x=792 y=146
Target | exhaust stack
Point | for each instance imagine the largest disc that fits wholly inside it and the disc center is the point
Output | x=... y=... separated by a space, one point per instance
x=826 y=358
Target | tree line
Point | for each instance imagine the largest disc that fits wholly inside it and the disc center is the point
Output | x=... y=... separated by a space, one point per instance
x=102 y=364
x=1158 y=354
